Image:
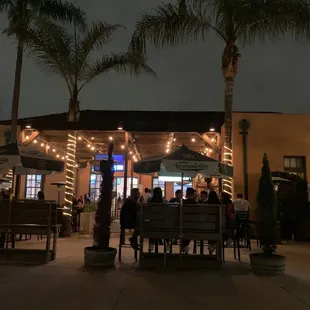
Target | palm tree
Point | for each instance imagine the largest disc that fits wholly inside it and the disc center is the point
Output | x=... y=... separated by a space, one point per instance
x=234 y=22
x=56 y=50
x=23 y=15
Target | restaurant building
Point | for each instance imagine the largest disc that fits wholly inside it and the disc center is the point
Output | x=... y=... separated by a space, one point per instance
x=284 y=137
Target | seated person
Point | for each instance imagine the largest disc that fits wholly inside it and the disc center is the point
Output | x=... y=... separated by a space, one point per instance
x=128 y=216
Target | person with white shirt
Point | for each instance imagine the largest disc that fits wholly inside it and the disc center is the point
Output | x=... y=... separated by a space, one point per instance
x=241 y=204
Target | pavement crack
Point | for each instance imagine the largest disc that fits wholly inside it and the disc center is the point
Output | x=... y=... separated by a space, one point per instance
x=120 y=294
x=294 y=295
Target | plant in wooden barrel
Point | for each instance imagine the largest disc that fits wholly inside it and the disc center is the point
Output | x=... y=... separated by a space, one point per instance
x=101 y=254
x=267 y=263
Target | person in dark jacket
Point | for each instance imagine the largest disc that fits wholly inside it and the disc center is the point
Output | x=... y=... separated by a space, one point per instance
x=157 y=197
x=41 y=195
x=213 y=199
x=203 y=197
x=177 y=198
x=190 y=200
x=128 y=216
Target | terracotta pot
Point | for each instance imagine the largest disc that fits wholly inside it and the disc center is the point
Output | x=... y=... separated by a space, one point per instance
x=267 y=265
x=98 y=258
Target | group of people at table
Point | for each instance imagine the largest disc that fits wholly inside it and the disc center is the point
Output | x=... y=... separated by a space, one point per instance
x=129 y=209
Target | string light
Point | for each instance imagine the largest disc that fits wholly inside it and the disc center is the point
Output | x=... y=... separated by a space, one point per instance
x=123 y=146
x=92 y=138
x=70 y=167
x=92 y=148
x=110 y=138
x=193 y=139
x=79 y=138
x=57 y=155
x=212 y=139
x=54 y=150
x=88 y=145
x=42 y=144
x=35 y=141
x=27 y=137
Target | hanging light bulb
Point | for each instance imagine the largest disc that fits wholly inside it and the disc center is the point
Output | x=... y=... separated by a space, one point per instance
x=57 y=156
x=174 y=139
x=54 y=150
x=210 y=150
x=92 y=138
x=130 y=152
x=122 y=147
x=47 y=147
x=42 y=144
x=80 y=138
x=193 y=139
x=92 y=148
x=212 y=139
x=110 y=138
x=62 y=157
x=88 y=145
x=27 y=138
x=76 y=165
x=35 y=141
x=167 y=151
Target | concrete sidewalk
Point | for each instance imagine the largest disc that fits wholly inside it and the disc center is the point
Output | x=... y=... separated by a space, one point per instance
x=66 y=284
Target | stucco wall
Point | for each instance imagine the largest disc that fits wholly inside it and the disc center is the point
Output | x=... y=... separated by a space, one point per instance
x=278 y=135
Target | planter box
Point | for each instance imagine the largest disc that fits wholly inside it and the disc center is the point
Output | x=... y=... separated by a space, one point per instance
x=87 y=221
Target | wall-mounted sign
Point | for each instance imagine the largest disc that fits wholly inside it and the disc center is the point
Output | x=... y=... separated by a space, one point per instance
x=118 y=159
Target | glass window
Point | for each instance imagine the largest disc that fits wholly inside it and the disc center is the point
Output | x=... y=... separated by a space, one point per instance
x=118 y=186
x=33 y=186
x=295 y=165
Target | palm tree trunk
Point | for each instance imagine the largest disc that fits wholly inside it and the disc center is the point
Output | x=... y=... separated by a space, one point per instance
x=73 y=116
x=228 y=159
x=16 y=90
x=229 y=91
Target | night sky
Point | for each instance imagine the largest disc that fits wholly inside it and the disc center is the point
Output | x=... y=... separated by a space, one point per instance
x=272 y=76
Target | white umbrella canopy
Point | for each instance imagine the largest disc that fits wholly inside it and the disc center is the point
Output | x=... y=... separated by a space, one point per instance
x=184 y=162
x=27 y=160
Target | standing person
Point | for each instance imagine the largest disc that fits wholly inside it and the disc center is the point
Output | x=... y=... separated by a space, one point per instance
x=230 y=217
x=128 y=216
x=241 y=204
x=146 y=196
x=177 y=197
x=190 y=200
x=203 y=197
x=213 y=199
x=157 y=197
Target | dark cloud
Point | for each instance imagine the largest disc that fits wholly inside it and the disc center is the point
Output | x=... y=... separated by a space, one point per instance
x=272 y=77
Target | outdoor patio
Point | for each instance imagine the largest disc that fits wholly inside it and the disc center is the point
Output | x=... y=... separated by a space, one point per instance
x=66 y=284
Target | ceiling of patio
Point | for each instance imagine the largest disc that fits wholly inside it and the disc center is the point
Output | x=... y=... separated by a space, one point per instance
x=146 y=144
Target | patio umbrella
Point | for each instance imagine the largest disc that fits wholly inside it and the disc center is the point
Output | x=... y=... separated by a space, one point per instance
x=183 y=162
x=26 y=159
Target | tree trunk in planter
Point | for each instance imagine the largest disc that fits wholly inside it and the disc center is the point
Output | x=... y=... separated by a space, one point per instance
x=101 y=255
x=103 y=213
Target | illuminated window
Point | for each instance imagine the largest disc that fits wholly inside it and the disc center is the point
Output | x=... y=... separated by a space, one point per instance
x=295 y=165
x=33 y=186
x=161 y=184
x=118 y=186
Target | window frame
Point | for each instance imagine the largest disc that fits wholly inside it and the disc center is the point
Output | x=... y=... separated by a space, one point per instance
x=296 y=170
x=36 y=188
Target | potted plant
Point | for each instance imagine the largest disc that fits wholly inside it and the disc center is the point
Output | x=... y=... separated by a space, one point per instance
x=100 y=254
x=267 y=263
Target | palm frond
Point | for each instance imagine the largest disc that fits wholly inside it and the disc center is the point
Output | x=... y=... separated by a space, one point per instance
x=6 y=4
x=62 y=11
x=167 y=26
x=131 y=63
x=50 y=47
x=94 y=38
x=273 y=19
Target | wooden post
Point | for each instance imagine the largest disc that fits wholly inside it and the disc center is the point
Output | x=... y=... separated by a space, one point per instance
x=125 y=166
